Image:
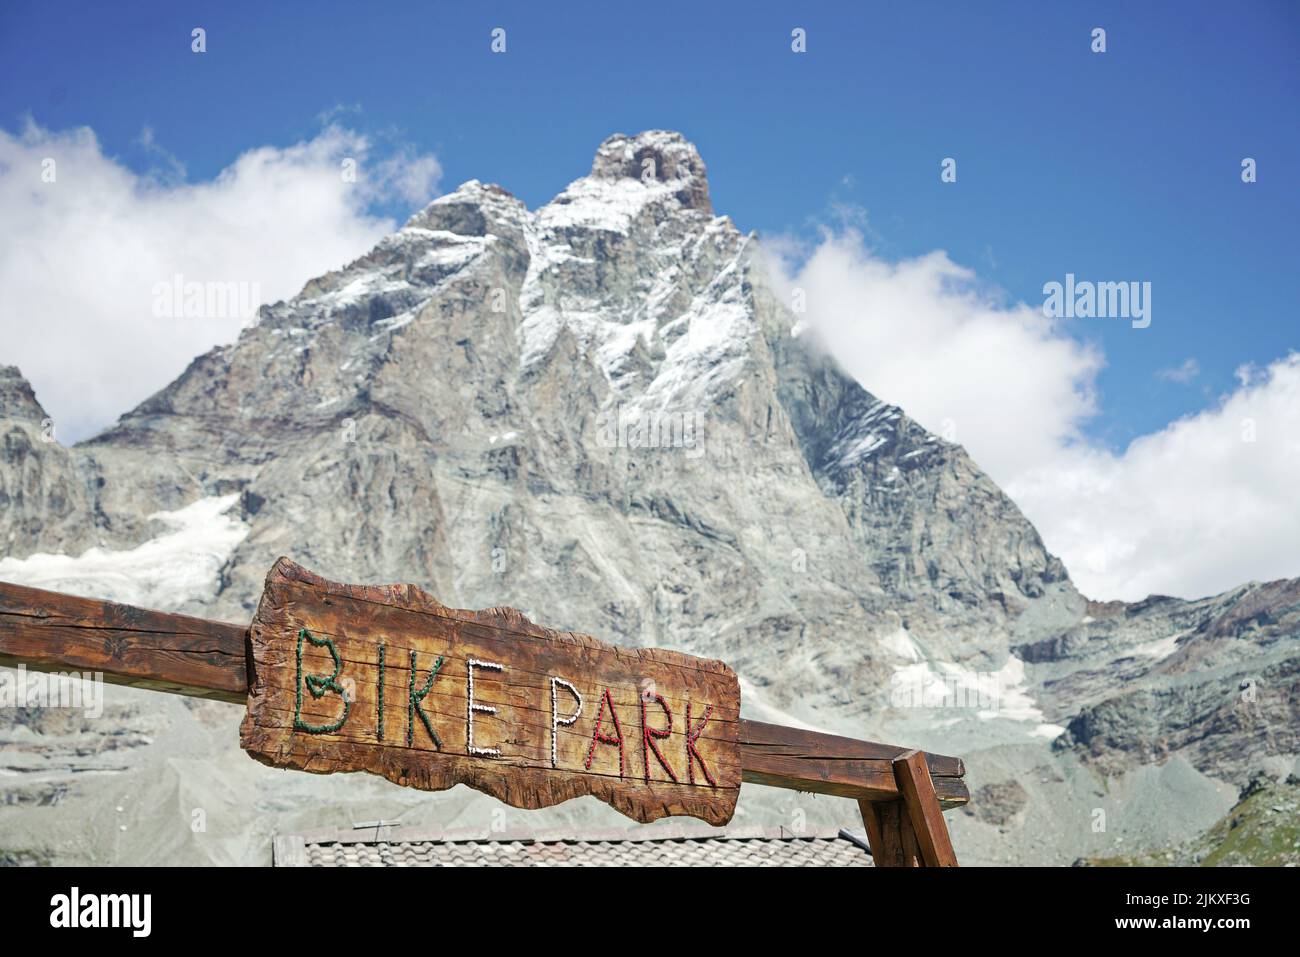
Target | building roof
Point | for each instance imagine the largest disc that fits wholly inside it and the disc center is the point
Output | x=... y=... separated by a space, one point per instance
x=675 y=846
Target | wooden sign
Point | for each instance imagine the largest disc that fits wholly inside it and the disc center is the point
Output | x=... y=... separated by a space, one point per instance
x=386 y=679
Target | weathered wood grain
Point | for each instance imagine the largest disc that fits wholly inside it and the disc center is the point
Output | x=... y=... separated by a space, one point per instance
x=923 y=810
x=785 y=757
x=889 y=833
x=49 y=631
x=654 y=774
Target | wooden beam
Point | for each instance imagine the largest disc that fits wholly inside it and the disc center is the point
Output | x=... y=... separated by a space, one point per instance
x=49 y=631
x=923 y=810
x=829 y=764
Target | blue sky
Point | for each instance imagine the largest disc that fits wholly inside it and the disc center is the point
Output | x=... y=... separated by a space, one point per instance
x=1121 y=165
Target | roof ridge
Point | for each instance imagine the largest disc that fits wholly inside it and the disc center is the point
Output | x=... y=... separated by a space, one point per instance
x=396 y=834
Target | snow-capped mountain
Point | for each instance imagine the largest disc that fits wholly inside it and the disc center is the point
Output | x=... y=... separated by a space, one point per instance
x=600 y=412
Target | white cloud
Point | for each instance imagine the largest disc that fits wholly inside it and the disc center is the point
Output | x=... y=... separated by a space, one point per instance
x=923 y=333
x=1191 y=510
x=1182 y=374
x=413 y=176
x=80 y=257
x=1207 y=503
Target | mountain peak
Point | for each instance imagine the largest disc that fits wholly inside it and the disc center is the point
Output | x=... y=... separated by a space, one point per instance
x=470 y=209
x=17 y=399
x=667 y=156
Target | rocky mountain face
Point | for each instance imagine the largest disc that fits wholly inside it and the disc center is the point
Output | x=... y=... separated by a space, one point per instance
x=600 y=412
x=1215 y=681
x=42 y=495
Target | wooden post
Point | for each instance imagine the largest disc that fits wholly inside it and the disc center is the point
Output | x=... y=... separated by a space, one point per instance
x=890 y=834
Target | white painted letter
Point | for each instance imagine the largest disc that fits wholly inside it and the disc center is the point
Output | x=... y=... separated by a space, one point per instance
x=556 y=720
x=480 y=708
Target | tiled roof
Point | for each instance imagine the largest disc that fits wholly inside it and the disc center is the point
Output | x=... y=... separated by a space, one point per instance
x=673 y=847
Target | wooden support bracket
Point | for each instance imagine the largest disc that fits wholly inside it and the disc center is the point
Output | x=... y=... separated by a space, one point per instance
x=909 y=831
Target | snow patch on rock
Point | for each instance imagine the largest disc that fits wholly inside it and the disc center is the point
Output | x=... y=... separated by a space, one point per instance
x=991 y=695
x=183 y=564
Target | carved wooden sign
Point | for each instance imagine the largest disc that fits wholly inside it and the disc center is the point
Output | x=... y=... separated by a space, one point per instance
x=386 y=679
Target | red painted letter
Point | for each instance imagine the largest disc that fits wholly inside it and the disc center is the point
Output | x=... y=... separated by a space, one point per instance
x=599 y=738
x=649 y=735
x=692 y=752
